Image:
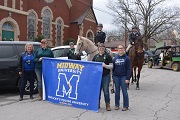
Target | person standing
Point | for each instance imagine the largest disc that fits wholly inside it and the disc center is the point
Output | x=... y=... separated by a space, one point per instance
x=121 y=77
x=71 y=51
x=26 y=70
x=100 y=36
x=39 y=54
x=160 y=58
x=132 y=37
x=107 y=65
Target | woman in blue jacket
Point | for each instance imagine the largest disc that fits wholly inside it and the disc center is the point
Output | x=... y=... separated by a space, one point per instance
x=26 y=70
x=121 y=77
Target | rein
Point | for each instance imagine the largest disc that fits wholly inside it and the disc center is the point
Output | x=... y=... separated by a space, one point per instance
x=80 y=47
x=93 y=51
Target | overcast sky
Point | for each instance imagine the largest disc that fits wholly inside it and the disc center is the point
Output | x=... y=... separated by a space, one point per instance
x=102 y=17
x=107 y=19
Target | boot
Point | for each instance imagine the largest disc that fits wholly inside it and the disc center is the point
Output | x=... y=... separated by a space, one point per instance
x=108 y=108
x=40 y=94
x=31 y=97
x=21 y=98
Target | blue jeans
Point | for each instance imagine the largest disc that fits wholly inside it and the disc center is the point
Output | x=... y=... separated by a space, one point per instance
x=28 y=75
x=120 y=82
x=105 y=86
x=39 y=77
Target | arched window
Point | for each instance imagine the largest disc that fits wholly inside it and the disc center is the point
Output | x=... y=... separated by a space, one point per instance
x=46 y=23
x=90 y=36
x=59 y=24
x=31 y=26
x=7 y=26
x=7 y=32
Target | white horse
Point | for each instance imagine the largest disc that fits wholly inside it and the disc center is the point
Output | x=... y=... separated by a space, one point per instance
x=84 y=44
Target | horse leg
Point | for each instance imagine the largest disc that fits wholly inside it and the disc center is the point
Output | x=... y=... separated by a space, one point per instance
x=132 y=77
x=138 y=76
x=134 y=74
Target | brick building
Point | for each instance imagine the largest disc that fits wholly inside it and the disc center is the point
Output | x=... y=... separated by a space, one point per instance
x=56 y=20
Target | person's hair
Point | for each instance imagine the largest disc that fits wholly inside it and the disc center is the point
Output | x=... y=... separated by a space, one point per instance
x=29 y=44
x=101 y=45
x=71 y=43
x=44 y=40
x=121 y=45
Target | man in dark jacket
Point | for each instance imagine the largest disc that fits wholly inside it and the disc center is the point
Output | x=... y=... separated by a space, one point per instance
x=71 y=54
x=100 y=36
x=132 y=37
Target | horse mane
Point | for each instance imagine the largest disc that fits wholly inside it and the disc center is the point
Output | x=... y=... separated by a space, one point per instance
x=88 y=43
x=87 y=40
x=133 y=54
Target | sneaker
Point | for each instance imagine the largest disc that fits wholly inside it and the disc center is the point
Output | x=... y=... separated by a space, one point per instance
x=116 y=107
x=124 y=109
x=20 y=99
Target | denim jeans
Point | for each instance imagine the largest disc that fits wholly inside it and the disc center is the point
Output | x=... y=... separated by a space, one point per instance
x=28 y=75
x=105 y=86
x=39 y=77
x=120 y=82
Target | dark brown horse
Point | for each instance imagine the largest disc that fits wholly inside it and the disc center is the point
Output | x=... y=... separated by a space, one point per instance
x=136 y=55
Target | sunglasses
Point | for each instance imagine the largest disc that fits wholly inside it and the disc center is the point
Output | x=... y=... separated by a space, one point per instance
x=102 y=48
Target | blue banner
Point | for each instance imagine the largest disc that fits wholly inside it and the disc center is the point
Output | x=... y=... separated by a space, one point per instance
x=72 y=82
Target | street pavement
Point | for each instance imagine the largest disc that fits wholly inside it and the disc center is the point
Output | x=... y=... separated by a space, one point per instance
x=157 y=99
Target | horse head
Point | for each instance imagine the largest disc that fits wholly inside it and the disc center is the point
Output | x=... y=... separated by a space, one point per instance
x=79 y=45
x=139 y=45
x=84 y=44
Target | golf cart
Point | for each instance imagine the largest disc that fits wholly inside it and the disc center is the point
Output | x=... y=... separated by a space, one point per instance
x=166 y=57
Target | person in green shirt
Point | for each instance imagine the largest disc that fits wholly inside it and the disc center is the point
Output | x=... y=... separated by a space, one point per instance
x=71 y=51
x=39 y=54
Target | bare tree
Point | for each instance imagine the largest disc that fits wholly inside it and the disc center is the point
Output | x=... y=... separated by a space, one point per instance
x=150 y=15
x=116 y=34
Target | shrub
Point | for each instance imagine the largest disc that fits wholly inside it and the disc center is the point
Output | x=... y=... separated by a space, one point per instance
x=39 y=38
x=69 y=40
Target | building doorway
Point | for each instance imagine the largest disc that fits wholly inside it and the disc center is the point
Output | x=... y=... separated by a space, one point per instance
x=7 y=32
x=90 y=36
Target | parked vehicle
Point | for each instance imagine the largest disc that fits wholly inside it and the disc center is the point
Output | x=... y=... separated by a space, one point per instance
x=61 y=52
x=170 y=58
x=9 y=57
x=147 y=55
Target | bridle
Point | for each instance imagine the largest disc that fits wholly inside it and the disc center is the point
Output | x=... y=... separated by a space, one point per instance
x=139 y=54
x=80 y=47
x=87 y=52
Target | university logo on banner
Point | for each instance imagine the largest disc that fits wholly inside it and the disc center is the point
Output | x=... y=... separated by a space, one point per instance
x=71 y=82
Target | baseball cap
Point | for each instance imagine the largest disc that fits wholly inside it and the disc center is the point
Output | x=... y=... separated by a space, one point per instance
x=43 y=41
x=71 y=43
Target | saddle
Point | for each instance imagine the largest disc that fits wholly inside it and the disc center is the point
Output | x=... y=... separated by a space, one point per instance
x=129 y=51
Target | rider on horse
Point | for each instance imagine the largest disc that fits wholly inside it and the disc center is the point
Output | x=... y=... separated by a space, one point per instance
x=100 y=36
x=132 y=37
